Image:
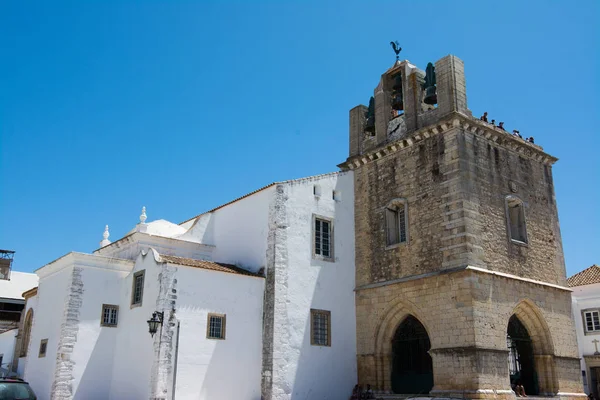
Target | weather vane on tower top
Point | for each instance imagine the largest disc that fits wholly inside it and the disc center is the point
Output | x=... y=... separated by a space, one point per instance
x=397 y=49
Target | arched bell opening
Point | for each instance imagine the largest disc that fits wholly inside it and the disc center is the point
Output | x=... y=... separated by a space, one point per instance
x=521 y=360
x=412 y=367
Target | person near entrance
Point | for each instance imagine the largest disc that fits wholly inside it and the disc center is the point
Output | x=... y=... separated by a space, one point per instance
x=519 y=389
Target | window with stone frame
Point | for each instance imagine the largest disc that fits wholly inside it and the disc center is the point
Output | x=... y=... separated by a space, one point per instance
x=43 y=348
x=515 y=217
x=591 y=320
x=215 y=328
x=320 y=328
x=137 y=288
x=396 y=222
x=110 y=315
x=323 y=238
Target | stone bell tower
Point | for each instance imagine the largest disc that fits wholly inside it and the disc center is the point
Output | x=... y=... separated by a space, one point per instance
x=460 y=278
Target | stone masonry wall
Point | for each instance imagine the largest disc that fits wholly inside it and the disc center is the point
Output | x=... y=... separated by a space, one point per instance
x=493 y=172
x=466 y=315
x=427 y=175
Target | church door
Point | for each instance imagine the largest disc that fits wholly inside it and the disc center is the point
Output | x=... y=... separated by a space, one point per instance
x=521 y=363
x=412 y=369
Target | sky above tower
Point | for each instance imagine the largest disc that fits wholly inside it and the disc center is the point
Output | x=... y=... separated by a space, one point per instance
x=180 y=106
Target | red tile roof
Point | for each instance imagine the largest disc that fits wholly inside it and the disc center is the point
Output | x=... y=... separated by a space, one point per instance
x=210 y=265
x=588 y=276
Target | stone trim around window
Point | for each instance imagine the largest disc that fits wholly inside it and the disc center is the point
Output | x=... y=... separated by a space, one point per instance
x=522 y=238
x=585 y=329
x=107 y=322
x=43 y=348
x=212 y=335
x=136 y=301
x=331 y=256
x=314 y=315
x=398 y=222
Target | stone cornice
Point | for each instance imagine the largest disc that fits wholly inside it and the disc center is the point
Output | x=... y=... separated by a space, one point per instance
x=454 y=120
x=84 y=260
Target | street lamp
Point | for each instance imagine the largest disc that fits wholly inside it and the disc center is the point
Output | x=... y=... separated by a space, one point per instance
x=157 y=319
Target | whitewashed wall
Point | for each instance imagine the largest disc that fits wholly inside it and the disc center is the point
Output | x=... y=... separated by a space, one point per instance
x=218 y=369
x=7 y=347
x=238 y=230
x=134 y=347
x=94 y=349
x=301 y=370
x=585 y=297
x=47 y=321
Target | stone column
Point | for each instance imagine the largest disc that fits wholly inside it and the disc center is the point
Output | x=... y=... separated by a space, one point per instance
x=451 y=85
x=357 y=128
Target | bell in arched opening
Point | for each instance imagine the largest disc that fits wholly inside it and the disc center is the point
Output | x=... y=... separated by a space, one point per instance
x=370 y=116
x=397 y=100
x=429 y=85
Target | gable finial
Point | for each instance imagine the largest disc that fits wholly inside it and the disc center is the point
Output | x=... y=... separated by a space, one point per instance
x=397 y=49
x=143 y=216
x=105 y=235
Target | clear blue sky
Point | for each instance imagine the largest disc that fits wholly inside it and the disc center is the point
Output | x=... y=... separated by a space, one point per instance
x=106 y=106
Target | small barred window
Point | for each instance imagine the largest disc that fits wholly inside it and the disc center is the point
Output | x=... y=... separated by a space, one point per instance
x=320 y=327
x=216 y=326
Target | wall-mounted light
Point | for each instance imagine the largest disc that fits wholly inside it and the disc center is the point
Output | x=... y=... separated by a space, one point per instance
x=157 y=319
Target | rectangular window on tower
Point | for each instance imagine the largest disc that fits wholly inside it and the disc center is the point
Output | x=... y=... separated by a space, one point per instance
x=517 y=228
x=323 y=238
x=395 y=223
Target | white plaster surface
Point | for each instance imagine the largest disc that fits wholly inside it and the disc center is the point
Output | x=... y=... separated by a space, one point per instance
x=238 y=231
x=301 y=370
x=19 y=282
x=7 y=348
x=218 y=369
x=31 y=304
x=47 y=321
x=583 y=298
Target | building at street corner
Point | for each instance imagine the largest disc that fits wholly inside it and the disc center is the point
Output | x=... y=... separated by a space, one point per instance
x=586 y=313
x=431 y=263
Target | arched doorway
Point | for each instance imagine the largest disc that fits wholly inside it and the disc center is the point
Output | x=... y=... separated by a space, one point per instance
x=521 y=362
x=412 y=369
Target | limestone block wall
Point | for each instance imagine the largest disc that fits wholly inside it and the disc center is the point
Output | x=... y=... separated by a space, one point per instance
x=442 y=303
x=466 y=316
x=428 y=175
x=494 y=171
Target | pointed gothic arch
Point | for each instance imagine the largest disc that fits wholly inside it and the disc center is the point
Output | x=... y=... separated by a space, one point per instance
x=388 y=325
x=530 y=316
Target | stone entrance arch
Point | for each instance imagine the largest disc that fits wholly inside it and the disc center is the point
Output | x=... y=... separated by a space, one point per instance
x=385 y=333
x=412 y=367
x=530 y=316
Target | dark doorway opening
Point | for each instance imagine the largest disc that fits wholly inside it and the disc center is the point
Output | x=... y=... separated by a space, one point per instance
x=521 y=364
x=412 y=369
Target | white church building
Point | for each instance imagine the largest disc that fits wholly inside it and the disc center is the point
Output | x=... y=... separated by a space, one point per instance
x=255 y=296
